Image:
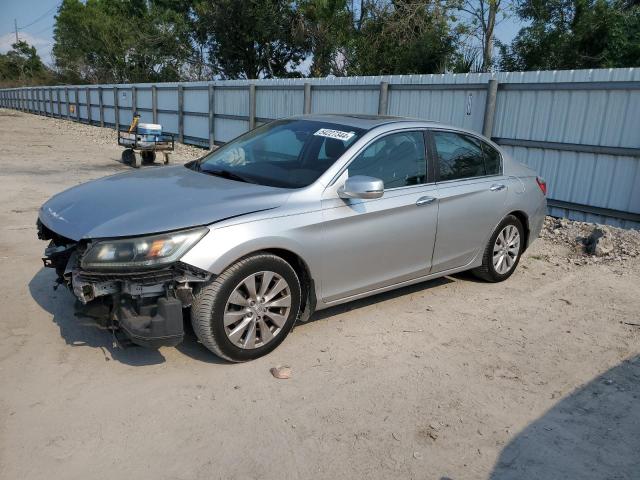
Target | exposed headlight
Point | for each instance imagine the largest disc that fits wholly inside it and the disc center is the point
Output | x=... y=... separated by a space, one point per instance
x=151 y=251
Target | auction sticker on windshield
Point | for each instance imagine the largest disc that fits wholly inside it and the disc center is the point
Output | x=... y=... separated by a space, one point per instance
x=337 y=134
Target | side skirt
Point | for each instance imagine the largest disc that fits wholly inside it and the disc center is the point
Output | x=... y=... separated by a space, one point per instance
x=474 y=263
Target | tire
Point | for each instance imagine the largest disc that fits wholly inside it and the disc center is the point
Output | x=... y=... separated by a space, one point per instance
x=137 y=160
x=148 y=157
x=128 y=156
x=491 y=272
x=216 y=301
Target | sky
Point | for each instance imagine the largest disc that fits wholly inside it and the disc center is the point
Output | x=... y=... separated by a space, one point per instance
x=35 y=25
x=38 y=13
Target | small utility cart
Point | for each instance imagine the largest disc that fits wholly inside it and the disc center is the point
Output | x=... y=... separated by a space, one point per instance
x=142 y=141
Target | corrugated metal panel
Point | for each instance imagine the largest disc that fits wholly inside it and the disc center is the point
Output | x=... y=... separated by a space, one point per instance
x=232 y=102
x=460 y=108
x=279 y=103
x=194 y=101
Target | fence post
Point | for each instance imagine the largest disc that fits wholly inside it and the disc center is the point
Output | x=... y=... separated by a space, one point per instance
x=51 y=101
x=134 y=100
x=383 y=98
x=180 y=113
x=41 y=104
x=116 y=109
x=67 y=102
x=212 y=135
x=58 y=102
x=77 y=105
x=252 y=106
x=154 y=103
x=101 y=106
x=307 y=98
x=490 y=108
x=88 y=95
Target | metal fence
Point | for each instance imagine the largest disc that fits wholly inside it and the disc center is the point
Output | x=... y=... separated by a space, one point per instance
x=579 y=129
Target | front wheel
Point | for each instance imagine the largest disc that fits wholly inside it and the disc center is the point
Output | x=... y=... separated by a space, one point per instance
x=249 y=309
x=502 y=253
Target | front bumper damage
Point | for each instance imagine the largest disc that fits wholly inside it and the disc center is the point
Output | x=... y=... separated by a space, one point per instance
x=145 y=306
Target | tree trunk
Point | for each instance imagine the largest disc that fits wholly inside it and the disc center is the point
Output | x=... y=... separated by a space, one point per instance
x=487 y=48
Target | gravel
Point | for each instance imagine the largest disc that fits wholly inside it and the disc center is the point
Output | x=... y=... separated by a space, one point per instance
x=592 y=243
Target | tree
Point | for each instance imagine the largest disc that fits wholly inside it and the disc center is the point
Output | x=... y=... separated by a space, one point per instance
x=403 y=37
x=484 y=16
x=325 y=27
x=111 y=41
x=566 y=34
x=22 y=66
x=252 y=39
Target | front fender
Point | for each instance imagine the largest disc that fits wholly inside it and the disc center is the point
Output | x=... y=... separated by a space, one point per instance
x=299 y=234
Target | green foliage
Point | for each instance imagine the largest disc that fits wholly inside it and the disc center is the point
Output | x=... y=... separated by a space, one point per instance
x=325 y=27
x=22 y=66
x=403 y=37
x=566 y=34
x=251 y=39
x=111 y=41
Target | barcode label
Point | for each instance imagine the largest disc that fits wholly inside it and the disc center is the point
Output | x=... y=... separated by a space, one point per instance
x=337 y=134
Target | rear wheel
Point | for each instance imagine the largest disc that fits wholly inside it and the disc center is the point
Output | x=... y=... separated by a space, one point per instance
x=502 y=253
x=249 y=309
x=148 y=157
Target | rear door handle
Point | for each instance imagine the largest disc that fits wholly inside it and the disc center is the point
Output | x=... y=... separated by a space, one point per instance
x=497 y=187
x=425 y=201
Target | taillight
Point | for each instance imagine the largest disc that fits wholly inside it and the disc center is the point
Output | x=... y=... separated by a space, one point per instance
x=543 y=185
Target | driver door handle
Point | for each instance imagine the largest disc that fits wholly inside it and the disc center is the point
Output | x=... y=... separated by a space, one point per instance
x=497 y=187
x=425 y=201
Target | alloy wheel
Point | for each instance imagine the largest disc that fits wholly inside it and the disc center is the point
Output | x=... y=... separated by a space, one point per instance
x=257 y=309
x=506 y=249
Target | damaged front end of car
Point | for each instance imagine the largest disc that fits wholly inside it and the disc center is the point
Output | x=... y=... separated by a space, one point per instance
x=134 y=286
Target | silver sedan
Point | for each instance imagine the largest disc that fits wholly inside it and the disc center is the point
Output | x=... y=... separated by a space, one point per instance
x=296 y=216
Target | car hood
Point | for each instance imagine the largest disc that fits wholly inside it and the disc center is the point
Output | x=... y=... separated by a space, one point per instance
x=153 y=200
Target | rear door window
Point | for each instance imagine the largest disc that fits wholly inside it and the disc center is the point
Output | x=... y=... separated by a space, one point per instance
x=458 y=156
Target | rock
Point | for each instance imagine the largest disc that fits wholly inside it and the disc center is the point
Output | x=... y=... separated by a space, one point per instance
x=281 y=373
x=599 y=242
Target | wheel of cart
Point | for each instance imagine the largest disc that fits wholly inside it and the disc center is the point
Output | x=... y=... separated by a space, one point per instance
x=148 y=156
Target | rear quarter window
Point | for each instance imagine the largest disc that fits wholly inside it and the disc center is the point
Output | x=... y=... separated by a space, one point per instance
x=492 y=159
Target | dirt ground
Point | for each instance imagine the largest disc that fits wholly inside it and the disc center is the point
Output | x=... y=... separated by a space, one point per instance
x=537 y=377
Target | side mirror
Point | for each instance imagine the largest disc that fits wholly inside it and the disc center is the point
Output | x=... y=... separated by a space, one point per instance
x=360 y=186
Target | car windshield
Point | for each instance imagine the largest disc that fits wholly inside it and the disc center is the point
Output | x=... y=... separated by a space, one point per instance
x=284 y=153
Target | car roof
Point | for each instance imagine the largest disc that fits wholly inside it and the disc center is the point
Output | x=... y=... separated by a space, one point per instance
x=365 y=122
